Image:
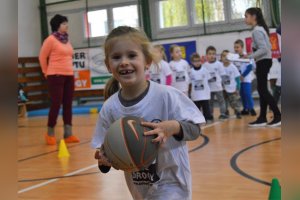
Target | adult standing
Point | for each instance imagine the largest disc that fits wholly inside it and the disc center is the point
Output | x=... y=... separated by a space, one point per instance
x=263 y=57
x=57 y=66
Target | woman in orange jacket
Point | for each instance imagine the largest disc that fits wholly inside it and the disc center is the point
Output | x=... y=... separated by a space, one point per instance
x=57 y=66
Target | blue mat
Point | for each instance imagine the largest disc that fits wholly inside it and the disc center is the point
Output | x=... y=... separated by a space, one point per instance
x=75 y=110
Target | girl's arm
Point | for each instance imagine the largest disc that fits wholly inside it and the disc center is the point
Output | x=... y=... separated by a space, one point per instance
x=169 y=79
x=180 y=130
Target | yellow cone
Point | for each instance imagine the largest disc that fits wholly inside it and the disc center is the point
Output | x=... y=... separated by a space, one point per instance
x=63 y=151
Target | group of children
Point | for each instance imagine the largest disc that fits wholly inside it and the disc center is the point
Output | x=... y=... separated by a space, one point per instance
x=228 y=82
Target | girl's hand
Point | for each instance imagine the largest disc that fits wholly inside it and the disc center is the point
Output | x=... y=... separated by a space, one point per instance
x=102 y=159
x=163 y=130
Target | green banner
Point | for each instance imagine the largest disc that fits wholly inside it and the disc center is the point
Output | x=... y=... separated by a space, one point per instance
x=100 y=80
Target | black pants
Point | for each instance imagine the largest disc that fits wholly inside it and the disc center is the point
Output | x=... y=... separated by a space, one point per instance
x=265 y=98
x=204 y=106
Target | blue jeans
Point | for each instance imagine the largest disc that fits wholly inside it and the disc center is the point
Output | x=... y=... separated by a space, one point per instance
x=246 y=94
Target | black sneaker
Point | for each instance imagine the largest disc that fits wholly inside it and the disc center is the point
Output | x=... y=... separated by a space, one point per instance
x=223 y=117
x=238 y=115
x=227 y=112
x=252 y=112
x=245 y=112
x=258 y=123
x=275 y=122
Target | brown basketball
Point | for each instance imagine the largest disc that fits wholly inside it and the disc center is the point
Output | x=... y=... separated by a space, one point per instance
x=127 y=147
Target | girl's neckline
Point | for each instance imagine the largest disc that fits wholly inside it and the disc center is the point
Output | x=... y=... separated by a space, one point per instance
x=131 y=102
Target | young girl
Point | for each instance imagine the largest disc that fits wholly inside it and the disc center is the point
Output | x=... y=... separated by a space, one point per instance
x=160 y=71
x=173 y=117
x=180 y=70
x=263 y=58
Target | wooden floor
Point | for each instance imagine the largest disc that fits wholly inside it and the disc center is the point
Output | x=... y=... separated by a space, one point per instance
x=230 y=162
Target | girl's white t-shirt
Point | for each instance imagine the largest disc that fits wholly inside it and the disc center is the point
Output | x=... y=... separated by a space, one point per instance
x=159 y=72
x=180 y=79
x=170 y=176
x=200 y=87
x=216 y=70
x=229 y=79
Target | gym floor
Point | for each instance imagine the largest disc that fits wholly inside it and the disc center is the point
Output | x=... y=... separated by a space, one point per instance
x=229 y=162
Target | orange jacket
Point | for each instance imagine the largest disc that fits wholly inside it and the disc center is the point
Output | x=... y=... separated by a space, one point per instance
x=56 y=57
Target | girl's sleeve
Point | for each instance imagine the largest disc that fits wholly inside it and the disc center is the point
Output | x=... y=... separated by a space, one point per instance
x=185 y=112
x=262 y=47
x=44 y=55
x=102 y=126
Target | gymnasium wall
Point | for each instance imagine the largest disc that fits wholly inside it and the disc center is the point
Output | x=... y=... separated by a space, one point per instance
x=30 y=33
x=29 y=28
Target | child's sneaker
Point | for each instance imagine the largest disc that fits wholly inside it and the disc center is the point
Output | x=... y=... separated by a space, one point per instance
x=238 y=115
x=245 y=112
x=71 y=139
x=50 y=140
x=223 y=117
x=252 y=112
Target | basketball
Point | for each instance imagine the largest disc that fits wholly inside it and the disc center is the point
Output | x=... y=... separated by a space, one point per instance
x=126 y=146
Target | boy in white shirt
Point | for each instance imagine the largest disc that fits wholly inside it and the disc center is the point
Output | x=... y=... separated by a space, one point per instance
x=231 y=82
x=199 y=90
x=216 y=71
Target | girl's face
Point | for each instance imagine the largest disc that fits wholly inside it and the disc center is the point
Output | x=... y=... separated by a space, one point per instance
x=158 y=54
x=250 y=19
x=127 y=62
x=176 y=54
x=63 y=28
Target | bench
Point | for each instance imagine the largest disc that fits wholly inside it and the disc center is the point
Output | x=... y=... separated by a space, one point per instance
x=35 y=86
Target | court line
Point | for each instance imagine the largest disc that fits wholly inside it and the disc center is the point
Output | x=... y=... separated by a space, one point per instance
x=235 y=167
x=46 y=153
x=206 y=140
x=56 y=179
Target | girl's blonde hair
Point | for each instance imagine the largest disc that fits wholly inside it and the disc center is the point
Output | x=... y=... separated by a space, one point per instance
x=139 y=37
x=172 y=48
x=162 y=50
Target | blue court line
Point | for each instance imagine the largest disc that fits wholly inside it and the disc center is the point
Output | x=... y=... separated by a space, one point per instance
x=75 y=110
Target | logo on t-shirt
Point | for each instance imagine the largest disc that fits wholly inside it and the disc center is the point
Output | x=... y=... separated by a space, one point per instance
x=180 y=76
x=145 y=177
x=213 y=77
x=226 y=80
x=199 y=85
x=155 y=78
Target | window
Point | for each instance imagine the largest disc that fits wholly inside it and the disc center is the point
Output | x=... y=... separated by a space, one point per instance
x=173 y=13
x=126 y=15
x=101 y=22
x=97 y=23
x=213 y=11
x=238 y=7
x=183 y=18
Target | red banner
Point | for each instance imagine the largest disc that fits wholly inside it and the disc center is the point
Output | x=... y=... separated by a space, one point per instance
x=274 y=45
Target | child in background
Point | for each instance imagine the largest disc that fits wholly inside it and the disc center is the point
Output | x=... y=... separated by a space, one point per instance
x=180 y=70
x=231 y=82
x=274 y=77
x=160 y=71
x=246 y=70
x=216 y=71
x=199 y=89
x=173 y=117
